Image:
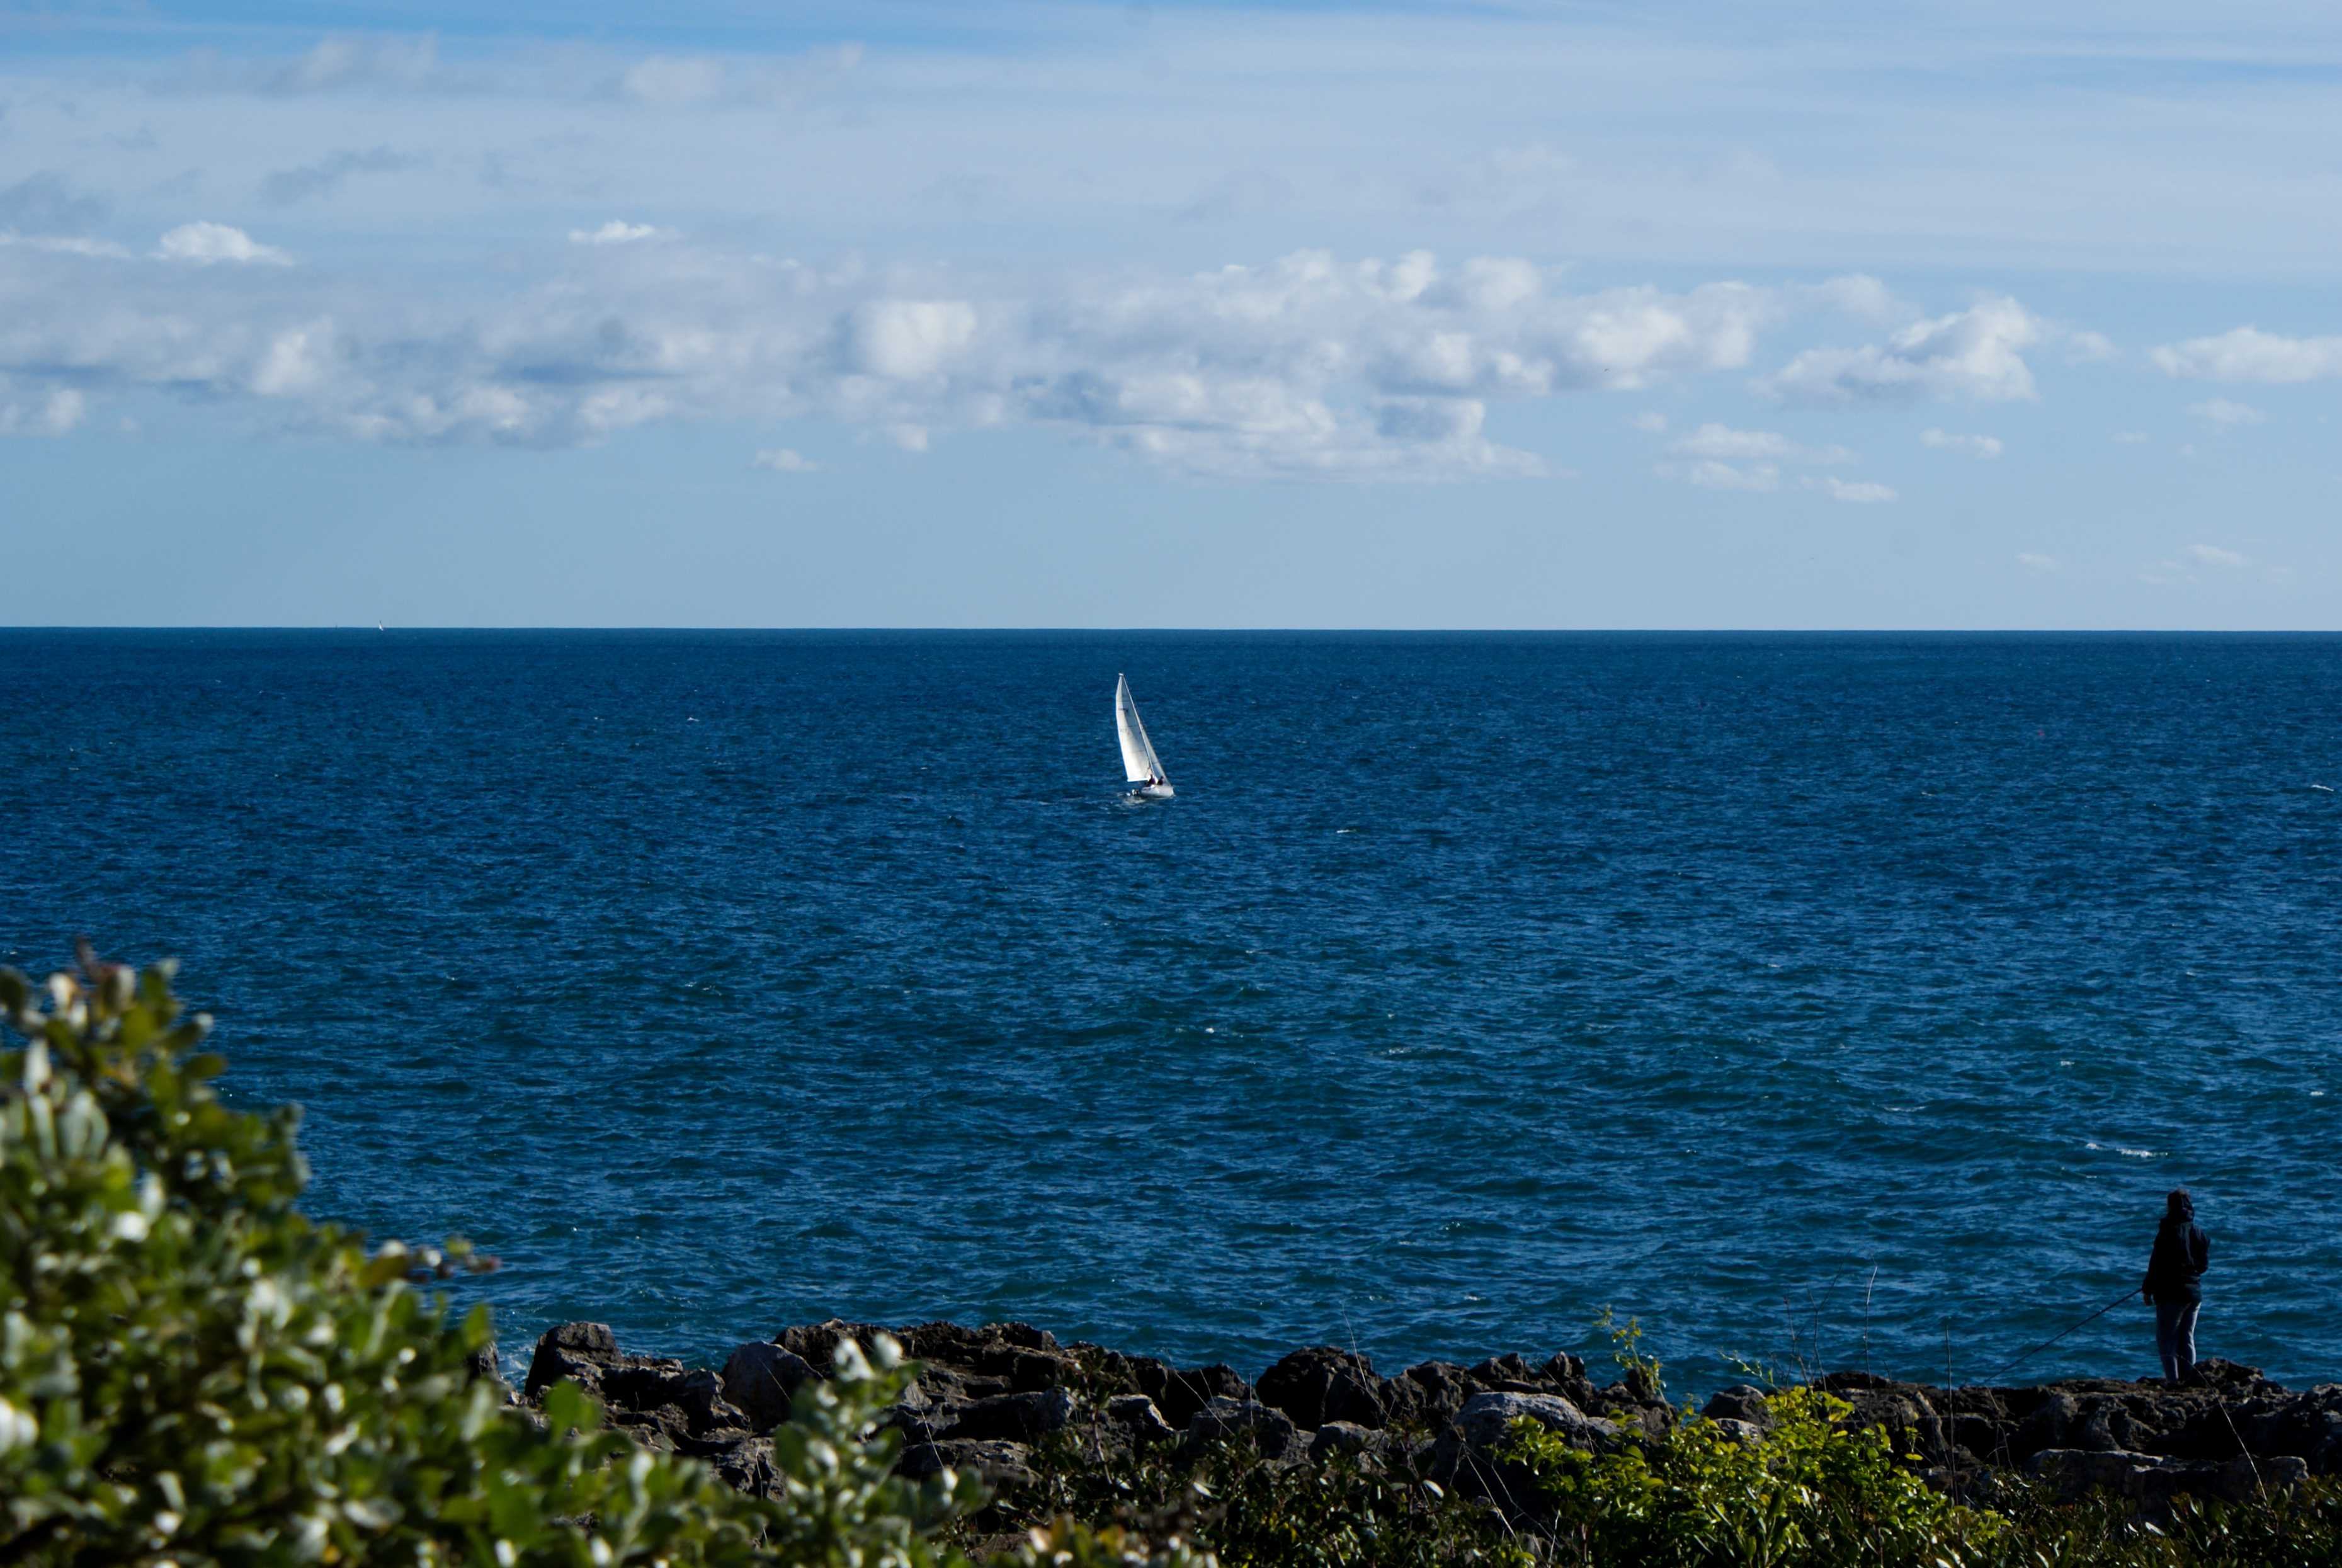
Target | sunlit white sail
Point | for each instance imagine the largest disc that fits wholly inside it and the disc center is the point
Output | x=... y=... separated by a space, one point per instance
x=1139 y=764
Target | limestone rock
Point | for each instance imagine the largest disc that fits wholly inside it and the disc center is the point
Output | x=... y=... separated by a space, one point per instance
x=761 y=1380
x=1268 y=1428
x=1185 y=1393
x=1012 y=1417
x=1322 y=1383
x=577 y=1351
x=816 y=1343
x=1743 y=1402
x=1000 y=1463
x=1135 y=1415
x=1483 y=1422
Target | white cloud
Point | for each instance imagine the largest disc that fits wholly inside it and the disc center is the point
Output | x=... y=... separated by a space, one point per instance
x=912 y=339
x=694 y=81
x=1722 y=458
x=1651 y=423
x=617 y=232
x=1858 y=491
x=1975 y=353
x=2220 y=411
x=203 y=243
x=2130 y=438
x=293 y=362
x=354 y=62
x=340 y=64
x=2248 y=354
x=2033 y=560
x=1982 y=447
x=2189 y=566
x=1726 y=445
x=1307 y=366
x=1862 y=296
x=784 y=460
x=2089 y=347
x=55 y=414
x=67 y=245
x=1710 y=474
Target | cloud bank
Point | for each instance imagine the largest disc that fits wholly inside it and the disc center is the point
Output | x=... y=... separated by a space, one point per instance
x=2248 y=354
x=1975 y=353
x=1306 y=368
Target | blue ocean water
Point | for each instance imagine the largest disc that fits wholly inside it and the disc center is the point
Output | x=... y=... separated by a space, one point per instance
x=1843 y=1000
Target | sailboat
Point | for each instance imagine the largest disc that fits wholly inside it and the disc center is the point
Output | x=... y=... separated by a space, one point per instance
x=1139 y=764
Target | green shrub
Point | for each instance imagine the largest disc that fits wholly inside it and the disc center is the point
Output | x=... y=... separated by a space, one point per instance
x=193 y=1373
x=1809 y=1492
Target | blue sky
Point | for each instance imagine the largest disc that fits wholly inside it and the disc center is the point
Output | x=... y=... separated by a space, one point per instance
x=1760 y=314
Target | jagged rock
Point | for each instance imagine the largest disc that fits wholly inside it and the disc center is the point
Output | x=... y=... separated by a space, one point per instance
x=577 y=1351
x=1012 y=1417
x=1466 y=1455
x=747 y=1466
x=1565 y=1374
x=1183 y=1395
x=2047 y=1426
x=761 y=1380
x=1508 y=1374
x=1346 y=1437
x=1430 y=1393
x=1743 y=1402
x=643 y=1382
x=713 y=1442
x=1135 y=1415
x=482 y=1366
x=1905 y=1413
x=983 y=1393
x=703 y=1404
x=1481 y=1424
x=1269 y=1429
x=1322 y=1383
x=1001 y=1464
x=1025 y=1359
x=816 y=1343
x=664 y=1428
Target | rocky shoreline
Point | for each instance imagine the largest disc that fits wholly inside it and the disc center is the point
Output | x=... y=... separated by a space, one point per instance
x=1009 y=1401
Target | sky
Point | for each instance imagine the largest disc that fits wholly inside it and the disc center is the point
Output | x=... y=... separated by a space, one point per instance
x=1773 y=314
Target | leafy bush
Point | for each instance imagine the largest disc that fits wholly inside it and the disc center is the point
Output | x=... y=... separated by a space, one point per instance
x=1809 y=1492
x=193 y=1373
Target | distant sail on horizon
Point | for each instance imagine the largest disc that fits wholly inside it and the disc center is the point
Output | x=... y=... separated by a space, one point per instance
x=1140 y=765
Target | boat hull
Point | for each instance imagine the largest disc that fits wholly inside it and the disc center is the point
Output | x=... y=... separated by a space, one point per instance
x=1151 y=791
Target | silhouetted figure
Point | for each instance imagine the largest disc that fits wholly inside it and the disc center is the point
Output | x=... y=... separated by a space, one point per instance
x=2181 y=1255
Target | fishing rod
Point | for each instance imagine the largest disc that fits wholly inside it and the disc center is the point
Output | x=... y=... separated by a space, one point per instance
x=2053 y=1339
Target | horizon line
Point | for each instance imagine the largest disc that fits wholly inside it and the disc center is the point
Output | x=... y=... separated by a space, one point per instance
x=384 y=629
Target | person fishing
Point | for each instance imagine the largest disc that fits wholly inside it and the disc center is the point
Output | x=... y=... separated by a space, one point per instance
x=2182 y=1253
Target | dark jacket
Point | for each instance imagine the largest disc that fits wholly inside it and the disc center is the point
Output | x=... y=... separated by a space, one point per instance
x=2181 y=1255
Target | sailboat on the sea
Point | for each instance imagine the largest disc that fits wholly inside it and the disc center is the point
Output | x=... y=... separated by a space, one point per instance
x=1140 y=766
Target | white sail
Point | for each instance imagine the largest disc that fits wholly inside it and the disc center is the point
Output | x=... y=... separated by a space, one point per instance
x=1139 y=764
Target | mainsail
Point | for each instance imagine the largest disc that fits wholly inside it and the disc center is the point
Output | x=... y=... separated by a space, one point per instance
x=1139 y=764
